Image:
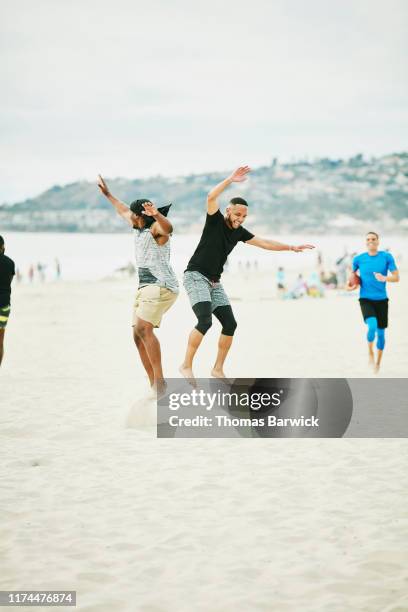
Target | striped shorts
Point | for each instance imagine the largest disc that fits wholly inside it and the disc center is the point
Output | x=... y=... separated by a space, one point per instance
x=200 y=289
x=4 y=315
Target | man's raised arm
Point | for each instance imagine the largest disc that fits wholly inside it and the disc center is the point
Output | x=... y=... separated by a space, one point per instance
x=272 y=245
x=162 y=226
x=238 y=176
x=121 y=208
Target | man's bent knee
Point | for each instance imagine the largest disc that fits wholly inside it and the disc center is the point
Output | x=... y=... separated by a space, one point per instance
x=371 y=323
x=226 y=317
x=203 y=324
x=380 y=339
x=202 y=311
x=141 y=329
x=228 y=329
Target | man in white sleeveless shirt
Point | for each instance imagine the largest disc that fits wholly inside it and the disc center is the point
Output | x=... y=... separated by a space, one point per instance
x=158 y=286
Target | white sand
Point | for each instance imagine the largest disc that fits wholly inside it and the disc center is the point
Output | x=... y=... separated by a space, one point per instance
x=140 y=524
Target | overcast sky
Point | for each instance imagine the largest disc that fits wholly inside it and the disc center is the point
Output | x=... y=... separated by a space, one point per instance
x=131 y=88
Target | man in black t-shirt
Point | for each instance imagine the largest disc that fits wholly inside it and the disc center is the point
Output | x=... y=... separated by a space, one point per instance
x=220 y=235
x=7 y=271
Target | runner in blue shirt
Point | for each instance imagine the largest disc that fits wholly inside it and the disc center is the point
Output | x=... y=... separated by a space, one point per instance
x=373 y=268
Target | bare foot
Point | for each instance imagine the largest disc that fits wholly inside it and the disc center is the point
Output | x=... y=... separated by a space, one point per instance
x=158 y=389
x=217 y=373
x=376 y=368
x=188 y=374
x=161 y=387
x=371 y=361
x=152 y=392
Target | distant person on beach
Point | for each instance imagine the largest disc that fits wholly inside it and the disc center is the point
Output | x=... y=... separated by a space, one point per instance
x=342 y=265
x=373 y=267
x=320 y=266
x=158 y=286
x=314 y=286
x=7 y=271
x=280 y=281
x=220 y=235
x=329 y=279
x=298 y=290
x=57 y=269
x=41 y=271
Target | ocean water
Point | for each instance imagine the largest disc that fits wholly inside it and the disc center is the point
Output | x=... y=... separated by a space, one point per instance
x=98 y=256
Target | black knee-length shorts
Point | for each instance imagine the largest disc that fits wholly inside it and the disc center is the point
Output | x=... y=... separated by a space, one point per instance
x=377 y=309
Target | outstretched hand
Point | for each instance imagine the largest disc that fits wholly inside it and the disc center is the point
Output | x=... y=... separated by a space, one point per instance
x=240 y=174
x=103 y=186
x=302 y=247
x=150 y=210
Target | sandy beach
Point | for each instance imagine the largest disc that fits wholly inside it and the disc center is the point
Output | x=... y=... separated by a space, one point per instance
x=133 y=523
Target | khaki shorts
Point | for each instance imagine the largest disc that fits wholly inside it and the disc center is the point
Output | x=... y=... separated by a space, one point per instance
x=151 y=303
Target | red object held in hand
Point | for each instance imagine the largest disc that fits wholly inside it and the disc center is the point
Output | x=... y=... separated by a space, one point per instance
x=354 y=279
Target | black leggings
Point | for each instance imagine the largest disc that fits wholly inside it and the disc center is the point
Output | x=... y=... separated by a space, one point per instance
x=224 y=314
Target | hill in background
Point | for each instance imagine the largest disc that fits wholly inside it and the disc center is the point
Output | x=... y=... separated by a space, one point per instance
x=321 y=196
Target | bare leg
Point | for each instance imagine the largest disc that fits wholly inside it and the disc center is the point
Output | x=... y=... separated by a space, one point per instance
x=202 y=311
x=371 y=361
x=378 y=362
x=144 y=330
x=224 y=345
x=226 y=317
x=194 y=340
x=144 y=357
x=1 y=344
